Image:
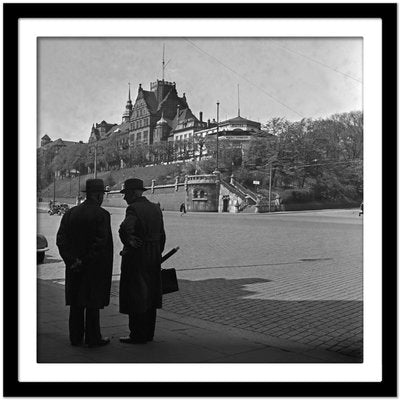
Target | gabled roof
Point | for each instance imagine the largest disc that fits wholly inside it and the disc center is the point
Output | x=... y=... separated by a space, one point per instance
x=184 y=115
x=164 y=100
x=121 y=129
x=150 y=99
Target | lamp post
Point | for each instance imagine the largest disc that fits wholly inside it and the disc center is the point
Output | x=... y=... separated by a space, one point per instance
x=273 y=158
x=217 y=131
x=92 y=150
x=269 y=187
x=54 y=188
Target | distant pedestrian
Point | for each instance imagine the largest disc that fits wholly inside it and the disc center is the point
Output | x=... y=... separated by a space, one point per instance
x=361 y=212
x=143 y=236
x=277 y=203
x=182 y=209
x=85 y=244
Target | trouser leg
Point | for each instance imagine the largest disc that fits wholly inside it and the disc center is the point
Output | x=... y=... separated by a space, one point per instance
x=151 y=323
x=76 y=324
x=142 y=325
x=92 y=331
x=137 y=326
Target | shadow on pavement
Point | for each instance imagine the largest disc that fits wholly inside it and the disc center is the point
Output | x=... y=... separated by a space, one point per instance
x=331 y=325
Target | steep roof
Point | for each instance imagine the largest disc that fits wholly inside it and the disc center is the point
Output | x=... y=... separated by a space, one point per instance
x=150 y=99
x=121 y=128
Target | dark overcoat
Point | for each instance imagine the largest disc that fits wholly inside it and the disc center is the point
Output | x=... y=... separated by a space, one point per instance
x=140 y=283
x=85 y=233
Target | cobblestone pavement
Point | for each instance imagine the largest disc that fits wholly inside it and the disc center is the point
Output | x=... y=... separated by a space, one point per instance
x=294 y=276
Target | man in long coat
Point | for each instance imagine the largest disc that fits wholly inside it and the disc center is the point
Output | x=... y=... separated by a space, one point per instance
x=143 y=236
x=85 y=243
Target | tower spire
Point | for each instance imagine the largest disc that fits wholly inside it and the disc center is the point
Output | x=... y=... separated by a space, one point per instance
x=238 y=102
x=129 y=91
x=163 y=62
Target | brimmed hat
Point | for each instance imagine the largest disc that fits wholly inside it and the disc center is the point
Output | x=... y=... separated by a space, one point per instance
x=95 y=185
x=133 y=184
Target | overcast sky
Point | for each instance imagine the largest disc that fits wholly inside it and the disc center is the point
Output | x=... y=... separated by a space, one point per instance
x=85 y=81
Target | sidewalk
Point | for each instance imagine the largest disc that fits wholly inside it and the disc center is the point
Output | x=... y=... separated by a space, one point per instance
x=178 y=339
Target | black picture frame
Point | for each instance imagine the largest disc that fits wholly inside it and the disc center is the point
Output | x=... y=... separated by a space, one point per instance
x=12 y=386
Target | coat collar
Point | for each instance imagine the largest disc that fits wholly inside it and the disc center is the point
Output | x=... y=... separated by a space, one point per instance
x=140 y=199
x=89 y=202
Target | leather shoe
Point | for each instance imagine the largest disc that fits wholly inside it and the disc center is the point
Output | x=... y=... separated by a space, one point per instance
x=132 y=340
x=102 y=342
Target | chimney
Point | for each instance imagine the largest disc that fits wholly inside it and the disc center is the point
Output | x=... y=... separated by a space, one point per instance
x=208 y=123
x=201 y=116
x=177 y=110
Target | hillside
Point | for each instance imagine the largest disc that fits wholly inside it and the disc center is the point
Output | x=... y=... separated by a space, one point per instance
x=161 y=173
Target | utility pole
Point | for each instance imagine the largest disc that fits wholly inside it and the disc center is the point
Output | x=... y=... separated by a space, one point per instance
x=95 y=161
x=238 y=102
x=269 y=189
x=54 y=188
x=79 y=183
x=94 y=149
x=217 y=131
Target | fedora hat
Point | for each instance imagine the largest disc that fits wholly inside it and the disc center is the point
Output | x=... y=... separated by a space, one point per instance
x=132 y=184
x=95 y=185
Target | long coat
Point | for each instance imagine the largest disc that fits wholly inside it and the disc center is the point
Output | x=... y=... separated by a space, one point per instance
x=85 y=233
x=140 y=283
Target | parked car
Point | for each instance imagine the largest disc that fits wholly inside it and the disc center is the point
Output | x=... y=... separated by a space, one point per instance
x=42 y=247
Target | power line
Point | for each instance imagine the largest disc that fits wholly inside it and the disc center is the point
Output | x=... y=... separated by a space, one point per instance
x=244 y=78
x=317 y=62
x=288 y=164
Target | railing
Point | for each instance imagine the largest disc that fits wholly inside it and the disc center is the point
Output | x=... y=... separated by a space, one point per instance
x=209 y=177
x=245 y=190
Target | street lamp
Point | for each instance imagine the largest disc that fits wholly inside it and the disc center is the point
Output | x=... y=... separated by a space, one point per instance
x=273 y=158
x=54 y=188
x=217 y=131
x=93 y=150
x=79 y=183
x=76 y=172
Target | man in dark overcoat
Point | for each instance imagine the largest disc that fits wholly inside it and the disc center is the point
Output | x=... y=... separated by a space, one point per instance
x=84 y=240
x=143 y=236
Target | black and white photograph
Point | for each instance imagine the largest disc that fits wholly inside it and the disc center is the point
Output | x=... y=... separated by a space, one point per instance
x=252 y=151
x=197 y=192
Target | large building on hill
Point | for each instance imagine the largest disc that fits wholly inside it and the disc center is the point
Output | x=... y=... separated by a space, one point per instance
x=160 y=115
x=157 y=115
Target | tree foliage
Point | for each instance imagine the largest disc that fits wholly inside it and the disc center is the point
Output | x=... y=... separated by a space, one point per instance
x=319 y=156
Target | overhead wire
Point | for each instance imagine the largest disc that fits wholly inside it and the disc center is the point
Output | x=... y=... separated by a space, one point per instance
x=317 y=62
x=244 y=78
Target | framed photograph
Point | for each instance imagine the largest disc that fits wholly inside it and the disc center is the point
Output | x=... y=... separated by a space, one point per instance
x=255 y=134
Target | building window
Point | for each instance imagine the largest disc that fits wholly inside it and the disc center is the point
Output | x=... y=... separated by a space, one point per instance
x=195 y=193
x=139 y=136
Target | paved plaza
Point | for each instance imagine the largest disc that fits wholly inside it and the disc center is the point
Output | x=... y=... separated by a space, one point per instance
x=291 y=280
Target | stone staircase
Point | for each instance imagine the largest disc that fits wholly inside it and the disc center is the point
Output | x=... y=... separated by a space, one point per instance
x=244 y=192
